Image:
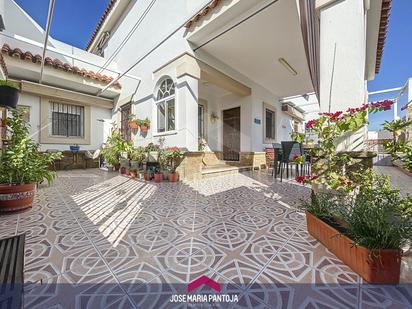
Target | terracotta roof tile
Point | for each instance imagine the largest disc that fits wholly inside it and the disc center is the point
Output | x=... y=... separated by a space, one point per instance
x=202 y=13
x=3 y=65
x=383 y=29
x=56 y=63
x=106 y=13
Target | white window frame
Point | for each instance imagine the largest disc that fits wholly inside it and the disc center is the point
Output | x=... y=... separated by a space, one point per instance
x=203 y=103
x=271 y=108
x=165 y=101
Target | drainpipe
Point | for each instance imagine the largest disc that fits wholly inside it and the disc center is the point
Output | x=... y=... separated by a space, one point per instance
x=46 y=39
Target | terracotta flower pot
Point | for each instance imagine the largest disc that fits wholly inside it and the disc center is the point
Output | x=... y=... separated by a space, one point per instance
x=147 y=176
x=123 y=170
x=158 y=177
x=133 y=124
x=173 y=177
x=381 y=266
x=116 y=166
x=144 y=128
x=16 y=197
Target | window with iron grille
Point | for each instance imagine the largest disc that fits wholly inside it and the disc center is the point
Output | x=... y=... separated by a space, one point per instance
x=126 y=111
x=67 y=120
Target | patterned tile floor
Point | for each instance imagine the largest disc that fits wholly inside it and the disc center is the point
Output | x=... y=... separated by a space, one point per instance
x=100 y=240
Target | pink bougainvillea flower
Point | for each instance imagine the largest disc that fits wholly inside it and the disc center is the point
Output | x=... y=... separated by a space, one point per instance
x=300 y=179
x=310 y=123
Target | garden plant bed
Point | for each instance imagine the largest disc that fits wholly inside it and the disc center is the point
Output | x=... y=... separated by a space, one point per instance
x=375 y=267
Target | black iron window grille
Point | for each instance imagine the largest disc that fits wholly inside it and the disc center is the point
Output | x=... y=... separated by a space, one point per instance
x=67 y=120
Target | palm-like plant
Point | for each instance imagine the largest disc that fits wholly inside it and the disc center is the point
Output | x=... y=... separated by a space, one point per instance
x=396 y=127
x=398 y=148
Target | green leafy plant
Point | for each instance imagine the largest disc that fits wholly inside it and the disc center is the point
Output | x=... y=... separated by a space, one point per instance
x=144 y=122
x=378 y=215
x=173 y=155
x=321 y=205
x=297 y=137
x=152 y=147
x=201 y=144
x=137 y=154
x=329 y=128
x=21 y=160
x=9 y=84
x=398 y=148
x=298 y=159
x=116 y=145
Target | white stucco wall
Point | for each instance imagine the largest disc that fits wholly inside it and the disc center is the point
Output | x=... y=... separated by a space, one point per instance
x=342 y=63
x=99 y=130
x=342 y=74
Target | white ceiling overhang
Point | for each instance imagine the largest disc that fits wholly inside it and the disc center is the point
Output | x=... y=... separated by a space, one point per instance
x=252 y=46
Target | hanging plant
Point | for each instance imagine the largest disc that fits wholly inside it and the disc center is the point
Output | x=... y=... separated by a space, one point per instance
x=9 y=94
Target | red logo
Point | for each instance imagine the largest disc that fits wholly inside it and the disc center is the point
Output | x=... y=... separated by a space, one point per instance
x=203 y=280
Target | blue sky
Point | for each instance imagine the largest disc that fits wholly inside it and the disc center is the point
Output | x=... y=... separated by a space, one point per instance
x=397 y=60
x=75 y=20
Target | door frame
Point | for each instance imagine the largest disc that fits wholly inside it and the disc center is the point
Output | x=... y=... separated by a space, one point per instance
x=204 y=102
x=240 y=126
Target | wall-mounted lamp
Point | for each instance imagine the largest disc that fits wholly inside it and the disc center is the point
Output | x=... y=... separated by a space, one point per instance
x=288 y=66
x=213 y=117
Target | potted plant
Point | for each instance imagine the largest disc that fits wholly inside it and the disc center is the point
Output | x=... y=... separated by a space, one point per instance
x=9 y=94
x=133 y=173
x=144 y=125
x=161 y=166
x=152 y=151
x=116 y=146
x=173 y=156
x=111 y=157
x=136 y=156
x=366 y=230
x=133 y=122
x=158 y=175
x=22 y=166
x=75 y=148
x=147 y=176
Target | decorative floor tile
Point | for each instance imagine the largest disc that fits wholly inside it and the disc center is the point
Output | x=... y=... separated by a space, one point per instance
x=101 y=240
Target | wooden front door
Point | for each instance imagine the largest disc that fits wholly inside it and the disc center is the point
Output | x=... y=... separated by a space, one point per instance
x=231 y=134
x=124 y=128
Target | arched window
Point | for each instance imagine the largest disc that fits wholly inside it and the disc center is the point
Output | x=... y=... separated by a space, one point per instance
x=165 y=105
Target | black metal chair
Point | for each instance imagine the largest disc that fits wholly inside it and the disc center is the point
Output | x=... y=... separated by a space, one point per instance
x=277 y=156
x=290 y=149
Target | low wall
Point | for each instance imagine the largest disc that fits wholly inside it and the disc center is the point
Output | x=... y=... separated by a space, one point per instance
x=193 y=162
x=360 y=161
x=75 y=160
x=191 y=166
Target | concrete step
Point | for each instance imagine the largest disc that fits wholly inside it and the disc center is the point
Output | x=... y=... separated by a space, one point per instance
x=223 y=169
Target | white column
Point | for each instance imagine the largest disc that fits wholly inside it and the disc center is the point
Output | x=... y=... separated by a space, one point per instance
x=187 y=110
x=342 y=55
x=342 y=62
